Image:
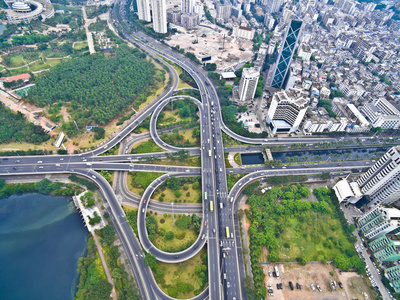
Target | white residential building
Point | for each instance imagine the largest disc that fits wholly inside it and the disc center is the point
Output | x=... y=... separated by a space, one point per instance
x=143 y=7
x=286 y=113
x=187 y=6
x=381 y=183
x=243 y=32
x=379 y=221
x=248 y=84
x=159 y=9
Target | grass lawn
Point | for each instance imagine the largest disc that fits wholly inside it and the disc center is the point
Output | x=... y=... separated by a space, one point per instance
x=227 y=164
x=48 y=145
x=185 y=272
x=194 y=197
x=19 y=71
x=17 y=61
x=161 y=87
x=138 y=181
x=237 y=158
x=170 y=117
x=148 y=146
x=306 y=237
x=187 y=135
x=186 y=236
x=181 y=83
x=80 y=45
x=228 y=141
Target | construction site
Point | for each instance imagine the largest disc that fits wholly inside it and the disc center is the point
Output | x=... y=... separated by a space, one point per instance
x=210 y=40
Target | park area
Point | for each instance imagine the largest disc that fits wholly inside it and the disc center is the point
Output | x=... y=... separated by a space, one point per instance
x=175 y=238
x=289 y=224
x=178 y=189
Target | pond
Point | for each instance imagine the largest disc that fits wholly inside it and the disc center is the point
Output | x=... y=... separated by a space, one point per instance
x=252 y=158
x=332 y=155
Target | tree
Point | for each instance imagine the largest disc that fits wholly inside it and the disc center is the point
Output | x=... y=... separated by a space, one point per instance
x=150 y=260
x=169 y=235
x=44 y=186
x=184 y=222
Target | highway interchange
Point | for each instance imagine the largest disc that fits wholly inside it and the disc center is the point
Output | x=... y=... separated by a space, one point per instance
x=225 y=264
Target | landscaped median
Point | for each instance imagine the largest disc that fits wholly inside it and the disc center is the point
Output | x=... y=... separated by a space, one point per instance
x=181 y=280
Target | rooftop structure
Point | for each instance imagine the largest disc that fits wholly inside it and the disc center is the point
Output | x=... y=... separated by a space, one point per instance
x=384 y=249
x=381 y=183
x=379 y=221
x=286 y=113
x=28 y=10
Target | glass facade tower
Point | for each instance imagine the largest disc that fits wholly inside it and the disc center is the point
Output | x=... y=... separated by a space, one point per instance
x=286 y=54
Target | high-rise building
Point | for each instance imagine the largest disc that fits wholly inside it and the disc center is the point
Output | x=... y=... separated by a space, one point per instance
x=223 y=10
x=393 y=274
x=159 y=9
x=187 y=6
x=384 y=249
x=143 y=7
x=379 y=221
x=248 y=84
x=273 y=6
x=381 y=183
x=286 y=113
x=189 y=20
x=285 y=54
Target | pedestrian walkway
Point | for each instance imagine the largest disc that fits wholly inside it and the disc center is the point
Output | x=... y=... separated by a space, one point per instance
x=231 y=160
x=88 y=33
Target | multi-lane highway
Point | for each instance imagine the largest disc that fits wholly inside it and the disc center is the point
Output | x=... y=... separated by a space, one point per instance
x=226 y=274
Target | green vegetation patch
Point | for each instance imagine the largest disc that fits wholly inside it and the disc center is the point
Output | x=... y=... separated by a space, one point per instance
x=141 y=180
x=96 y=88
x=170 y=238
x=146 y=147
x=181 y=280
x=15 y=128
x=93 y=282
x=231 y=179
x=296 y=230
x=44 y=186
x=180 y=189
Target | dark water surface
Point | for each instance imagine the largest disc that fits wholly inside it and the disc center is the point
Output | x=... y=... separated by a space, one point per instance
x=41 y=240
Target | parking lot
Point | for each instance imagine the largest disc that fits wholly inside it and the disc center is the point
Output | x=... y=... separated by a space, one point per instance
x=353 y=286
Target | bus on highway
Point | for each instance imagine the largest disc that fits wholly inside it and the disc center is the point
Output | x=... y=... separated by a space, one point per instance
x=209 y=153
x=227 y=232
x=211 y=206
x=205 y=195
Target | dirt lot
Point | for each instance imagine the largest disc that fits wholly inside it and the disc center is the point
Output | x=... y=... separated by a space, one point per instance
x=210 y=44
x=353 y=285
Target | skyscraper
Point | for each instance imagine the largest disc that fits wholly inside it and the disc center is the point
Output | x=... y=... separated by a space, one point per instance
x=248 y=84
x=272 y=6
x=381 y=183
x=282 y=65
x=159 y=9
x=143 y=7
x=187 y=6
